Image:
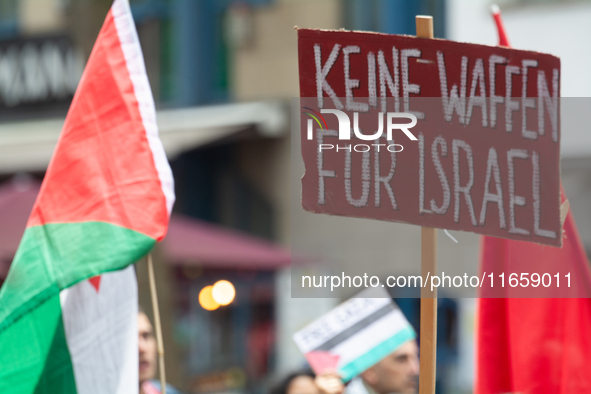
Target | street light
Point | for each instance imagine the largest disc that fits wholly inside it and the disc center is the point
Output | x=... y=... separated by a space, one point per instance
x=206 y=299
x=223 y=292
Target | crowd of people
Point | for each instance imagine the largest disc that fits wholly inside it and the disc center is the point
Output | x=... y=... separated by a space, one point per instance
x=396 y=373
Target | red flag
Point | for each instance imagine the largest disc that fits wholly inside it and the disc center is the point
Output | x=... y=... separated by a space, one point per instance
x=534 y=345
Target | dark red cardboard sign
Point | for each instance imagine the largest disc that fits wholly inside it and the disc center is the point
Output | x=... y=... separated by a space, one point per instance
x=486 y=153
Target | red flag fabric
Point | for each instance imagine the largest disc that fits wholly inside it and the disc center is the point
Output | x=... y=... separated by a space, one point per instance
x=534 y=345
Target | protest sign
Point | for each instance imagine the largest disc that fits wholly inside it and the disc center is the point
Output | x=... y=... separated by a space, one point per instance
x=355 y=335
x=481 y=156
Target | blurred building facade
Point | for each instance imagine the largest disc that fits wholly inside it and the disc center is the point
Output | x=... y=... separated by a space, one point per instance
x=223 y=73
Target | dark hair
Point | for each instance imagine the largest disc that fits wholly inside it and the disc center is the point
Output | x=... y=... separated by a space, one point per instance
x=283 y=385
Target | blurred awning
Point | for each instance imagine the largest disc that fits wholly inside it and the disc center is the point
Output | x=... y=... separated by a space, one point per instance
x=28 y=145
x=194 y=242
x=17 y=198
x=188 y=242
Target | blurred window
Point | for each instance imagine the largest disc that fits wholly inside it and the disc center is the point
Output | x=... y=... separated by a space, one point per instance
x=155 y=24
x=7 y=9
x=211 y=186
x=166 y=61
x=393 y=17
x=8 y=18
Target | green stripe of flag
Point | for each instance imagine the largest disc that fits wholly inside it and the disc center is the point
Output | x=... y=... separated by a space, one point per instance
x=376 y=354
x=55 y=256
x=34 y=354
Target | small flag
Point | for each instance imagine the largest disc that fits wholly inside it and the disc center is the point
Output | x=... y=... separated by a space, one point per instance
x=105 y=201
x=355 y=335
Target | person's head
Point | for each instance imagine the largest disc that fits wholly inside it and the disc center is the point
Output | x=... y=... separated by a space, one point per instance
x=301 y=382
x=147 y=348
x=397 y=373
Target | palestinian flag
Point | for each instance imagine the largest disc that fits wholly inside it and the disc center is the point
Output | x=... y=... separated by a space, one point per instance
x=104 y=203
x=355 y=335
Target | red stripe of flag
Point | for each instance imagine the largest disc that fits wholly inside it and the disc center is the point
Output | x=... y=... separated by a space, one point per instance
x=94 y=174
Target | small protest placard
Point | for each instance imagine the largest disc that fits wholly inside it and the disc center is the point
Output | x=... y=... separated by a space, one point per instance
x=355 y=335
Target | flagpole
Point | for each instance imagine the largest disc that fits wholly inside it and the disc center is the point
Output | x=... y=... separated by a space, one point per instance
x=428 y=360
x=157 y=325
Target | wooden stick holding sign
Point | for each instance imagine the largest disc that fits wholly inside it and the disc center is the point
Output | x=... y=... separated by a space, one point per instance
x=428 y=333
x=428 y=329
x=157 y=325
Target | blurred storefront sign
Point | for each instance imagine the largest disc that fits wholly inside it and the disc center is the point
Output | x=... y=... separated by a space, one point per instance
x=38 y=74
